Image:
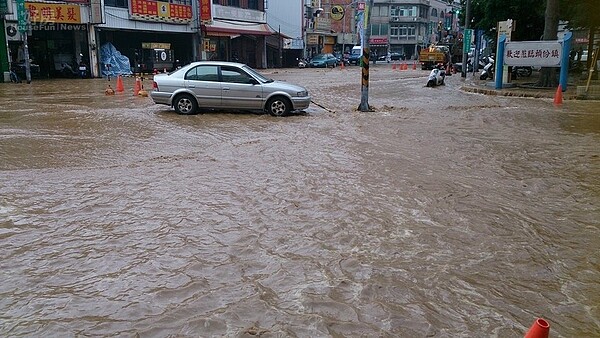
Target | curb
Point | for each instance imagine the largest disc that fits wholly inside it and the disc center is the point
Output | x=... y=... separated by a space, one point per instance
x=514 y=93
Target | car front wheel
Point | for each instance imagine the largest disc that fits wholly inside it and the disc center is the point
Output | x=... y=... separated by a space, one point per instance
x=185 y=104
x=279 y=106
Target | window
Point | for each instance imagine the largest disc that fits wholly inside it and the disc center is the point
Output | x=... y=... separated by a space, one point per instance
x=217 y=2
x=384 y=11
x=403 y=31
x=434 y=12
x=379 y=29
x=375 y=11
x=117 y=3
x=234 y=3
x=234 y=75
x=253 y=4
x=203 y=73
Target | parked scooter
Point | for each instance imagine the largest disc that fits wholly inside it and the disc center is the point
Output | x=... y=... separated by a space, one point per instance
x=82 y=70
x=521 y=71
x=437 y=76
x=67 y=71
x=488 y=70
x=302 y=63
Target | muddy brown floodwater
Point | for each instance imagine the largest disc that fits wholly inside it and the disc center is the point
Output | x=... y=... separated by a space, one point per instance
x=440 y=214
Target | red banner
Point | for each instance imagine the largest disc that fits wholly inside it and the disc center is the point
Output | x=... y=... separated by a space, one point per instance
x=160 y=10
x=205 y=11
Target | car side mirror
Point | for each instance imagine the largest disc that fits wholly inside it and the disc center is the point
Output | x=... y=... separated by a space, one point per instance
x=254 y=81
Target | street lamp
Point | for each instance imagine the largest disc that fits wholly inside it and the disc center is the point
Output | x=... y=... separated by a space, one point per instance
x=344 y=25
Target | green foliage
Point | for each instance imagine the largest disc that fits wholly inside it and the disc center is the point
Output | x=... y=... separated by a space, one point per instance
x=581 y=13
x=528 y=16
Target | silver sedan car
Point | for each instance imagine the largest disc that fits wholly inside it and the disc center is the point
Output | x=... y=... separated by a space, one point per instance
x=226 y=85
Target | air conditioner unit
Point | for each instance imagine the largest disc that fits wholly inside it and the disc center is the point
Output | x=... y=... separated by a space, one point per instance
x=12 y=33
x=395 y=19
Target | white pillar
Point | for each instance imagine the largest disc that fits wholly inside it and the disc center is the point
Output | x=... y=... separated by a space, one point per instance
x=93 y=51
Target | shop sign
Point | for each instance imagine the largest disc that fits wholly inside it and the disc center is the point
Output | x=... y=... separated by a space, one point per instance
x=533 y=53
x=156 y=45
x=378 y=41
x=4 y=7
x=323 y=24
x=22 y=16
x=329 y=40
x=337 y=12
x=53 y=13
x=312 y=39
x=206 y=12
x=149 y=10
x=96 y=11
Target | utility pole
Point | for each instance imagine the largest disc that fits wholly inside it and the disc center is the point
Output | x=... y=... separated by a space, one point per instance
x=23 y=27
x=365 y=36
x=465 y=56
x=280 y=56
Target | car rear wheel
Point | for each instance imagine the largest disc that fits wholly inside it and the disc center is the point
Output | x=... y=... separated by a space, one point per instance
x=185 y=104
x=279 y=106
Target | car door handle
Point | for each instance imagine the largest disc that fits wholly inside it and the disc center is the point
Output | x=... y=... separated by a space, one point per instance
x=192 y=86
x=225 y=88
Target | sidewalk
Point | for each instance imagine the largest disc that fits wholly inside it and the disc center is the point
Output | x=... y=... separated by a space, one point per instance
x=525 y=87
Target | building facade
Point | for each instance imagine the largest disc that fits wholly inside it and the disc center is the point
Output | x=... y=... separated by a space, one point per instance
x=152 y=35
x=397 y=26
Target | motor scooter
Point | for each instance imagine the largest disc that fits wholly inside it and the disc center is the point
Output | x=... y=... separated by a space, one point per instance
x=302 y=63
x=488 y=70
x=521 y=71
x=436 y=77
x=67 y=71
x=82 y=70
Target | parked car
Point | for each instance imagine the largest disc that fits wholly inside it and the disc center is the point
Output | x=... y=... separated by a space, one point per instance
x=226 y=85
x=394 y=56
x=323 y=61
x=355 y=55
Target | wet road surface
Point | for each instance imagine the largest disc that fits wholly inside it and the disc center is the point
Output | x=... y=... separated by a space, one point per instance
x=440 y=214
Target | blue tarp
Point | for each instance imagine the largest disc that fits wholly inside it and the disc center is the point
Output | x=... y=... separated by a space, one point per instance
x=119 y=64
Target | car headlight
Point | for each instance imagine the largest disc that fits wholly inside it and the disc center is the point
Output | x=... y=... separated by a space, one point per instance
x=302 y=93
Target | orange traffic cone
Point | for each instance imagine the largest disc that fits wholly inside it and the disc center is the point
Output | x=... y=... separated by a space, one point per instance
x=342 y=65
x=539 y=329
x=142 y=92
x=393 y=66
x=414 y=66
x=558 y=96
x=109 y=91
x=120 y=88
x=136 y=87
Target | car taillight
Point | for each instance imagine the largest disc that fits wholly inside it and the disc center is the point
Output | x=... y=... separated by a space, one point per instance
x=154 y=85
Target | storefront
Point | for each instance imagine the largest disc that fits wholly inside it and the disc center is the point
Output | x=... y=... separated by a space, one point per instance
x=150 y=50
x=57 y=39
x=152 y=35
x=230 y=40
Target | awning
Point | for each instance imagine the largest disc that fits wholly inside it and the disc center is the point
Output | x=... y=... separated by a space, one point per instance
x=237 y=28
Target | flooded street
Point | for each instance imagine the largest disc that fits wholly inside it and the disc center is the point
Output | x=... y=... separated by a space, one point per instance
x=442 y=213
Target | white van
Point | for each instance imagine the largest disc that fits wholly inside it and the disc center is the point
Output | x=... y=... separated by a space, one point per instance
x=355 y=55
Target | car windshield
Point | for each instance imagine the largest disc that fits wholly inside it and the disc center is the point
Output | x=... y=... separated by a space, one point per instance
x=320 y=57
x=257 y=75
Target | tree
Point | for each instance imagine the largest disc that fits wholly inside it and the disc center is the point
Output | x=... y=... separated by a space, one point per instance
x=583 y=14
x=528 y=16
x=548 y=76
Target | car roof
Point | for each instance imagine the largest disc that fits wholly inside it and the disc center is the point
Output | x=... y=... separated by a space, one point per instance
x=215 y=63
